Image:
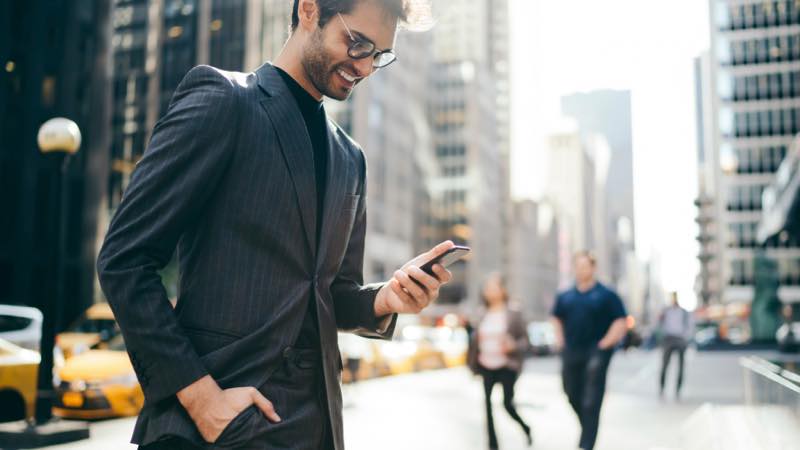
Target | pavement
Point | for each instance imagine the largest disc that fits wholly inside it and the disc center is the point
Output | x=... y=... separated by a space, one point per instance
x=443 y=409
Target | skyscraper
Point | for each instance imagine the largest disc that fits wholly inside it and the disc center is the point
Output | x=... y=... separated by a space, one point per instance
x=755 y=113
x=156 y=42
x=469 y=107
x=707 y=284
x=466 y=189
x=607 y=113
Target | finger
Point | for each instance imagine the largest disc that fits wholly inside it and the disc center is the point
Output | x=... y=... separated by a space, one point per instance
x=437 y=250
x=265 y=406
x=401 y=293
x=417 y=292
x=441 y=248
x=409 y=304
x=442 y=274
x=430 y=282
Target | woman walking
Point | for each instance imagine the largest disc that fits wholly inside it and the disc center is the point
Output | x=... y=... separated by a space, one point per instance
x=496 y=351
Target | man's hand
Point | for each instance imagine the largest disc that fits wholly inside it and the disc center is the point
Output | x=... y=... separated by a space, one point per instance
x=212 y=408
x=558 y=331
x=402 y=294
x=616 y=332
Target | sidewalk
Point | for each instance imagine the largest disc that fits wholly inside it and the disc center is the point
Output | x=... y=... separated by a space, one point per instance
x=443 y=410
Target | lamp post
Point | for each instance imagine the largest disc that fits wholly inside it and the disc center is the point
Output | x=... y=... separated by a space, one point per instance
x=58 y=139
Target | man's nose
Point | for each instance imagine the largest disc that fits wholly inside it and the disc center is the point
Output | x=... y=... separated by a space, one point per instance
x=363 y=67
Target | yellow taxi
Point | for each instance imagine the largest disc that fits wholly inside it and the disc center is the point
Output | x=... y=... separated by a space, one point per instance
x=412 y=351
x=98 y=383
x=452 y=342
x=96 y=326
x=18 y=370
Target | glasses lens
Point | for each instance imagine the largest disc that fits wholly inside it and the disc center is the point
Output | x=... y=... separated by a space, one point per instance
x=360 y=49
x=384 y=59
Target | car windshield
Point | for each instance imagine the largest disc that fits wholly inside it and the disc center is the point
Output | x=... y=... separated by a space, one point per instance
x=86 y=325
x=117 y=343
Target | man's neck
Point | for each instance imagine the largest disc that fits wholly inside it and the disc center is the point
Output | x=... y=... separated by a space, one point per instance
x=585 y=286
x=289 y=61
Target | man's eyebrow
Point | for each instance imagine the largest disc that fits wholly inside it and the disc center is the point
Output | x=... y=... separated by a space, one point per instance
x=363 y=37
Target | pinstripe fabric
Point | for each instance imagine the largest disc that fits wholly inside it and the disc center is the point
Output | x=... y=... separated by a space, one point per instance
x=228 y=180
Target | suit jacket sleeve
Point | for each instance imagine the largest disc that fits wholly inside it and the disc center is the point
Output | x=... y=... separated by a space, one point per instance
x=188 y=152
x=354 y=303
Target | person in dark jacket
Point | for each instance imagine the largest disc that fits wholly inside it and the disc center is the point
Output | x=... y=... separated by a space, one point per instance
x=497 y=348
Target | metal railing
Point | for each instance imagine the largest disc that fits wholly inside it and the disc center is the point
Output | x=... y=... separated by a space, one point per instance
x=770 y=384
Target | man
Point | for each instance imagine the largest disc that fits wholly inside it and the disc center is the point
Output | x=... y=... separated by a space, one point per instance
x=676 y=327
x=264 y=198
x=589 y=321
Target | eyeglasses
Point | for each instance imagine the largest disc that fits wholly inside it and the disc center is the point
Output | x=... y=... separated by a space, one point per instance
x=362 y=48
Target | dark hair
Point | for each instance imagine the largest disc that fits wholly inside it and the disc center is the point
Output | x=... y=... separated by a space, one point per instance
x=503 y=285
x=585 y=254
x=412 y=14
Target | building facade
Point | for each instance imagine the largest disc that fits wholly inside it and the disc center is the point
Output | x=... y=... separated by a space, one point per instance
x=755 y=114
x=533 y=258
x=607 y=113
x=155 y=42
x=56 y=63
x=469 y=113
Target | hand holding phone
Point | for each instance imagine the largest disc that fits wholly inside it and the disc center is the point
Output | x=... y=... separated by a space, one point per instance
x=414 y=286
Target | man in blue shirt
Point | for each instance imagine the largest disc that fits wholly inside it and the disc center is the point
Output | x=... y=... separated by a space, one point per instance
x=589 y=321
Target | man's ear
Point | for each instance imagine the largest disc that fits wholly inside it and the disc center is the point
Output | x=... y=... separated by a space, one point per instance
x=308 y=13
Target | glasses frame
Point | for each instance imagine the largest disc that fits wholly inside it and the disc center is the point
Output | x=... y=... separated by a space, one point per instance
x=373 y=52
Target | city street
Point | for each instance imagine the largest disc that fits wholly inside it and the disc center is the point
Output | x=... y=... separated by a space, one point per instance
x=444 y=410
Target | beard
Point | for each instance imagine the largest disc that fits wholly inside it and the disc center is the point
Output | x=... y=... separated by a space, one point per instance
x=320 y=69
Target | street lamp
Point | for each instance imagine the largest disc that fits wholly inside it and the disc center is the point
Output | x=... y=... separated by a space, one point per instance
x=58 y=139
x=59 y=135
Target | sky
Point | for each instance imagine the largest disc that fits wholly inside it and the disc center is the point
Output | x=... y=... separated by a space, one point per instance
x=560 y=47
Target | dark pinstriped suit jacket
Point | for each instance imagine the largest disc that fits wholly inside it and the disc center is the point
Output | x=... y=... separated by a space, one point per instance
x=228 y=179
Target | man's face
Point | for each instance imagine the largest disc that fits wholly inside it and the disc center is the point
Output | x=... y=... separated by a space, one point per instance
x=332 y=71
x=584 y=269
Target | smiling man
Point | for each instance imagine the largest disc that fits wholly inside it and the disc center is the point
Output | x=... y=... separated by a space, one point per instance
x=264 y=198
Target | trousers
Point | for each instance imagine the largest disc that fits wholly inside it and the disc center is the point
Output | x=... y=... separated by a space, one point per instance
x=297 y=391
x=584 y=379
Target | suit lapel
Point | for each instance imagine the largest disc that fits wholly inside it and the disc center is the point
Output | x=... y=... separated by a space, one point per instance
x=335 y=186
x=295 y=145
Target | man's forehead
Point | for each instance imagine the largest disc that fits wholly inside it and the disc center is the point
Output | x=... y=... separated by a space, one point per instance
x=370 y=21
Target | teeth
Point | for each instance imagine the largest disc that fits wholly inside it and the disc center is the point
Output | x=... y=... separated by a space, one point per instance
x=346 y=76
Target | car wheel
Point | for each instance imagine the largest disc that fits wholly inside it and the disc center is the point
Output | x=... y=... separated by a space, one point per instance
x=13 y=406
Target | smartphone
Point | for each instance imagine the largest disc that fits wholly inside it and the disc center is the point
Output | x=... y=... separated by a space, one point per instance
x=446 y=258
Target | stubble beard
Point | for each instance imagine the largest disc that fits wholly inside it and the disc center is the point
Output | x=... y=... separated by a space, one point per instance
x=319 y=69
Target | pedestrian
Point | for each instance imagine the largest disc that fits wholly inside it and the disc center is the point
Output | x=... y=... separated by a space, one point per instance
x=264 y=198
x=589 y=321
x=496 y=352
x=676 y=327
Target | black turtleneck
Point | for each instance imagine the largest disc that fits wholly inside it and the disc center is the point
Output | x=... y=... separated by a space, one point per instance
x=317 y=127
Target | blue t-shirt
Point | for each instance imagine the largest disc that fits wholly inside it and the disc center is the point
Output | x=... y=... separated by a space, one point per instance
x=587 y=316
